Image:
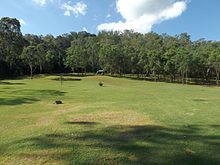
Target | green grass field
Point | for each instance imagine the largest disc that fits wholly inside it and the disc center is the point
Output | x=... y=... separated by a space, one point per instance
x=123 y=122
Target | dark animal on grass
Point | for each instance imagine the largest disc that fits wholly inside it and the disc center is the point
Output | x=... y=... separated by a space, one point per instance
x=100 y=72
x=101 y=84
x=58 y=102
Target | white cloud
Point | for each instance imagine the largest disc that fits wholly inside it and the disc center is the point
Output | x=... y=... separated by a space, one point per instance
x=42 y=2
x=85 y=29
x=141 y=15
x=108 y=16
x=77 y=9
x=22 y=22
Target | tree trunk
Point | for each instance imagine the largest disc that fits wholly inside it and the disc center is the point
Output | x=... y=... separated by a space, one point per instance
x=31 y=71
x=186 y=77
x=85 y=72
x=10 y=65
x=217 y=78
x=155 y=77
x=183 y=82
x=171 y=78
x=41 y=69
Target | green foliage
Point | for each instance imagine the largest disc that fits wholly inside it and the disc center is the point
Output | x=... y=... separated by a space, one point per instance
x=10 y=25
x=176 y=58
x=214 y=61
x=31 y=58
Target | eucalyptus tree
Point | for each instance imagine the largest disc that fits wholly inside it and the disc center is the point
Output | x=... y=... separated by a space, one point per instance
x=81 y=52
x=30 y=58
x=155 y=51
x=51 y=54
x=214 y=61
x=105 y=52
x=200 y=63
x=112 y=56
x=32 y=39
x=131 y=47
x=41 y=52
x=115 y=52
x=76 y=59
x=11 y=43
x=170 y=45
x=92 y=46
x=10 y=25
x=183 y=57
x=61 y=44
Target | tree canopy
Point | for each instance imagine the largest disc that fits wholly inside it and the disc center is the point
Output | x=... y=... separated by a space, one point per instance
x=174 y=58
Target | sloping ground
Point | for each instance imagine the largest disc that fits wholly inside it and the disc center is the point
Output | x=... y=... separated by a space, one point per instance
x=123 y=122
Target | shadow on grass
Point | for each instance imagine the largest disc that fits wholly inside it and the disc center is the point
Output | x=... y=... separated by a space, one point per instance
x=67 y=79
x=10 y=83
x=39 y=93
x=29 y=96
x=149 y=144
x=192 y=81
x=81 y=123
x=17 y=101
x=200 y=100
x=76 y=75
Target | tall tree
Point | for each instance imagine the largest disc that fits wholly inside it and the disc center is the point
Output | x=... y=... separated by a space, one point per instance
x=10 y=25
x=171 y=46
x=11 y=41
x=80 y=53
x=214 y=61
x=155 y=51
x=184 y=56
x=31 y=58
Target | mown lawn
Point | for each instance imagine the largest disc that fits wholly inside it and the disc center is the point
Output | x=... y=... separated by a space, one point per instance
x=123 y=122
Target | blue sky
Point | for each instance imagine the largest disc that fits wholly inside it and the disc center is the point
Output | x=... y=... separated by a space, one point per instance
x=199 y=18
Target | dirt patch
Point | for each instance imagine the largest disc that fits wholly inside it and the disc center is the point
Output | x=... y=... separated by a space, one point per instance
x=45 y=121
x=114 y=118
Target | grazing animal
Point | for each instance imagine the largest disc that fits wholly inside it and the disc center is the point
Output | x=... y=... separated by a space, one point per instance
x=100 y=72
x=58 y=102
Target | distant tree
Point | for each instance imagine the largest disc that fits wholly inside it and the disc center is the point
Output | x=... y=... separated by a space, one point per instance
x=214 y=61
x=33 y=40
x=171 y=45
x=93 y=50
x=31 y=58
x=183 y=58
x=200 y=63
x=131 y=47
x=155 y=51
x=51 y=54
x=10 y=25
x=41 y=51
x=11 y=42
x=114 y=52
x=81 y=53
x=61 y=44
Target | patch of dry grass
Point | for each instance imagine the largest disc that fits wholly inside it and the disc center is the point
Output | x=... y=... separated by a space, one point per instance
x=125 y=122
x=127 y=118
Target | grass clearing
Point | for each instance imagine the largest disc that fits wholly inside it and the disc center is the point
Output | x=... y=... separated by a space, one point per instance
x=123 y=122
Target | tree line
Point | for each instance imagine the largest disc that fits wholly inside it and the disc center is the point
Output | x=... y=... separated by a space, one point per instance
x=172 y=58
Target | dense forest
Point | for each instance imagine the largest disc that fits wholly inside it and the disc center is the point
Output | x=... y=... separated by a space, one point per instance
x=163 y=57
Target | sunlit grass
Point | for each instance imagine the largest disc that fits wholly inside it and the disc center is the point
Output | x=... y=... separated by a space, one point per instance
x=122 y=122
